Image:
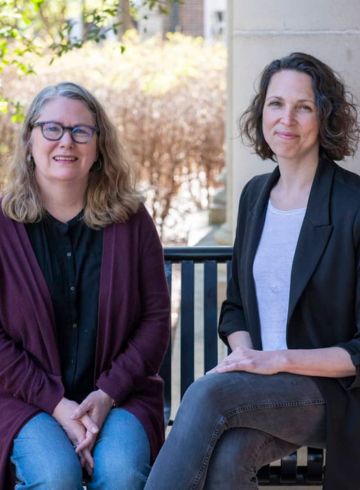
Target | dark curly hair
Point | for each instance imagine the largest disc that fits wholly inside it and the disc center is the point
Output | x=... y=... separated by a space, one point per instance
x=339 y=129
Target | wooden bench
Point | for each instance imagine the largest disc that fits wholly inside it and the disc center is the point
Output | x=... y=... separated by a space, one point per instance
x=206 y=269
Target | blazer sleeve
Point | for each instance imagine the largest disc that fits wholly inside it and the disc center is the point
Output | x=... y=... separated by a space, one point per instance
x=353 y=346
x=232 y=317
x=145 y=349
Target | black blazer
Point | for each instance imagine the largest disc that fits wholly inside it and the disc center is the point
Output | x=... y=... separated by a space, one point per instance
x=324 y=303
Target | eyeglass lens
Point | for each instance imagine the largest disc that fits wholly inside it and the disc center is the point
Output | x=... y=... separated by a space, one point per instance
x=80 y=134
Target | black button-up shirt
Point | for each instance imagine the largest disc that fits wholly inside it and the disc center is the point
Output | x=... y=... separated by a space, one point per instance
x=69 y=255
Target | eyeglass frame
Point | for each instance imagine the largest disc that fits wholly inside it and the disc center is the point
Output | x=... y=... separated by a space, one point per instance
x=41 y=124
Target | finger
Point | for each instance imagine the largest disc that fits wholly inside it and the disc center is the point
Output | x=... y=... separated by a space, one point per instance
x=89 y=469
x=80 y=447
x=216 y=368
x=82 y=460
x=89 y=424
x=86 y=463
x=213 y=370
x=224 y=368
x=89 y=461
x=82 y=409
x=86 y=443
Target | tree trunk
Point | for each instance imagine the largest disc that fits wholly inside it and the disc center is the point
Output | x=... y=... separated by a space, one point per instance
x=124 y=17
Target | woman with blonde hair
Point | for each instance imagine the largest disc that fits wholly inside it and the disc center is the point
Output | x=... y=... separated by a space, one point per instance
x=84 y=308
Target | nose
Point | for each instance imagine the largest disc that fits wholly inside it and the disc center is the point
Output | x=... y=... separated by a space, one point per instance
x=287 y=116
x=66 y=139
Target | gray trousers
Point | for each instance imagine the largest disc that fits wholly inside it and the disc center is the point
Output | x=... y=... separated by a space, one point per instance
x=231 y=424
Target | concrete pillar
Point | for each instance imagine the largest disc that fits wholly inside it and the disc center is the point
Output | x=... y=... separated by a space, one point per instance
x=262 y=30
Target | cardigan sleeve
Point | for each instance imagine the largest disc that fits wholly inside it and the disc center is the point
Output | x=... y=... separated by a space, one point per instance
x=23 y=378
x=27 y=369
x=232 y=317
x=146 y=347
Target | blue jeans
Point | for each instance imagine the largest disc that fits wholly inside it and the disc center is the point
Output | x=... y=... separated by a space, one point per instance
x=45 y=459
x=229 y=425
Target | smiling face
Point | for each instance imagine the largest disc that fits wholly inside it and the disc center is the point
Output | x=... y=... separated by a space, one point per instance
x=63 y=161
x=290 y=119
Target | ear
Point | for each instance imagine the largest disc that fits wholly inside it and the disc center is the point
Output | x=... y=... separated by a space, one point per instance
x=28 y=150
x=29 y=144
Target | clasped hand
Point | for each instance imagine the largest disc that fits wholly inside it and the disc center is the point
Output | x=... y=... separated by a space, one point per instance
x=251 y=361
x=82 y=423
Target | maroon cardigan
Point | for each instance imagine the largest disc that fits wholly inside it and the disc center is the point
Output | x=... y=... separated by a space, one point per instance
x=133 y=330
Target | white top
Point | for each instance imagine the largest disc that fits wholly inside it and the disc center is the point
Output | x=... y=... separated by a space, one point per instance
x=272 y=272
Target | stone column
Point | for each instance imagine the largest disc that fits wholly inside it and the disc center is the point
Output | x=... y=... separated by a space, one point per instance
x=262 y=30
x=224 y=235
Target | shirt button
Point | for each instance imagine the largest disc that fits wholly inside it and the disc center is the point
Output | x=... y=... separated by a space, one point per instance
x=68 y=254
x=74 y=325
x=72 y=288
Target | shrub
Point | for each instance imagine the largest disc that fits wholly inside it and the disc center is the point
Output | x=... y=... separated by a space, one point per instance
x=167 y=99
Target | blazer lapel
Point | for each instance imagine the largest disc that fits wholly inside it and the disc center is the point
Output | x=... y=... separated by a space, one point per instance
x=315 y=233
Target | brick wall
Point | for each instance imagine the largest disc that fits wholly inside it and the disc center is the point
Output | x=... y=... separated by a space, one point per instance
x=189 y=18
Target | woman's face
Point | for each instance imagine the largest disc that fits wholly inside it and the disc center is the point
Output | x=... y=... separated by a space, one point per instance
x=290 y=119
x=63 y=161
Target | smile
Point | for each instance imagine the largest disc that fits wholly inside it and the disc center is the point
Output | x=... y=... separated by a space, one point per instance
x=286 y=135
x=64 y=159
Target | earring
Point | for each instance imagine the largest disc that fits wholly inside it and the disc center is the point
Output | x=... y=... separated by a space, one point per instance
x=30 y=160
x=97 y=166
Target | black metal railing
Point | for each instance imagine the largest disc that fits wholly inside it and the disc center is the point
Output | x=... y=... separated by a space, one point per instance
x=189 y=265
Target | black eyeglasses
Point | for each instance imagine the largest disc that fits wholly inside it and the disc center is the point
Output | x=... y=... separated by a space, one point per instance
x=54 y=131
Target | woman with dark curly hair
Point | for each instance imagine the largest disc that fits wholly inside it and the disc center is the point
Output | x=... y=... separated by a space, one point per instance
x=292 y=312
x=84 y=306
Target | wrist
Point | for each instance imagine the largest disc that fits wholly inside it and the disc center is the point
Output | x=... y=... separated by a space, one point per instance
x=239 y=339
x=58 y=407
x=283 y=361
x=107 y=398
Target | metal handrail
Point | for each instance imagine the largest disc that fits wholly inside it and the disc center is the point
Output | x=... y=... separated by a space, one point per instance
x=198 y=254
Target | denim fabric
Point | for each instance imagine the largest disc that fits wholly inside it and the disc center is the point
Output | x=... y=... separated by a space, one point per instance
x=231 y=424
x=121 y=454
x=44 y=457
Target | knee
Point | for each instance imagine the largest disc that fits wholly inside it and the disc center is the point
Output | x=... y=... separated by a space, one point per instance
x=121 y=454
x=64 y=474
x=199 y=393
x=133 y=477
x=60 y=474
x=123 y=475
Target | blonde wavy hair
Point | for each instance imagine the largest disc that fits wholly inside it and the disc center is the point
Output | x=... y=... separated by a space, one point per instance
x=110 y=196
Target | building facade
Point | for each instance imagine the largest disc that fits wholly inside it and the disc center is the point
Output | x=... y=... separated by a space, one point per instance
x=260 y=31
x=205 y=18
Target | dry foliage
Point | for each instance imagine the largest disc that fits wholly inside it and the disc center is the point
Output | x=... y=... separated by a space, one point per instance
x=167 y=99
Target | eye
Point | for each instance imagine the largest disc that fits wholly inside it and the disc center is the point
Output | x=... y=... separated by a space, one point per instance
x=81 y=131
x=304 y=108
x=52 y=128
x=274 y=103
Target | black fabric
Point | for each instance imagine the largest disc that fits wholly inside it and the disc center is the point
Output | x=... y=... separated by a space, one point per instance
x=324 y=302
x=69 y=255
